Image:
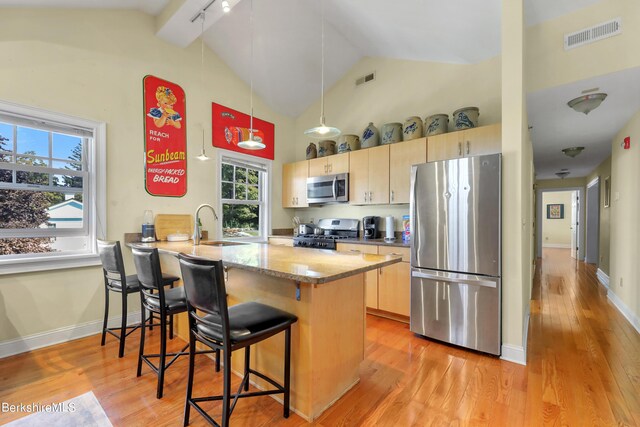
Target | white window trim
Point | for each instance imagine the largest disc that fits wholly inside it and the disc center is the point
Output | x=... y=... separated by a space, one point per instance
x=266 y=192
x=97 y=218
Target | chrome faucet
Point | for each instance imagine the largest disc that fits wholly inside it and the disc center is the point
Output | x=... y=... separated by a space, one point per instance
x=196 y=230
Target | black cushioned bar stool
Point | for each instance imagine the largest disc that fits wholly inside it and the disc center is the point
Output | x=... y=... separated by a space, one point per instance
x=116 y=280
x=164 y=303
x=229 y=329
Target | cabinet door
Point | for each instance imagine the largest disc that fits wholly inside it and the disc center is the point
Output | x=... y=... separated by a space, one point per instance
x=301 y=174
x=444 y=146
x=483 y=140
x=288 y=182
x=359 y=177
x=379 y=175
x=394 y=287
x=401 y=157
x=338 y=163
x=370 y=277
x=318 y=167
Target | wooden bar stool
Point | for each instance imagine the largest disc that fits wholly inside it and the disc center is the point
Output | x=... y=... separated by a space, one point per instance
x=229 y=329
x=116 y=280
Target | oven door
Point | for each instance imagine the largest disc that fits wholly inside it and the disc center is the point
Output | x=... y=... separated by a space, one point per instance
x=328 y=189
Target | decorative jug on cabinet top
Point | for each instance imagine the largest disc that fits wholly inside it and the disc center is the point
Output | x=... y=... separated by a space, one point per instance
x=412 y=128
x=370 y=136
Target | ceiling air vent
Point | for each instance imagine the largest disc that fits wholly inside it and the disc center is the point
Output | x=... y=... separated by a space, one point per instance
x=593 y=34
x=365 y=79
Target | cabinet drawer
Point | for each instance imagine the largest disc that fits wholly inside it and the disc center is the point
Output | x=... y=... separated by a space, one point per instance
x=280 y=241
x=395 y=250
x=352 y=247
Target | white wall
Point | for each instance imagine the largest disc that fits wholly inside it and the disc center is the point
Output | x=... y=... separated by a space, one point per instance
x=90 y=64
x=556 y=233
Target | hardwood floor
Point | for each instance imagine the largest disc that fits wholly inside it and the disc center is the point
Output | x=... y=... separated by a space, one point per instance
x=583 y=369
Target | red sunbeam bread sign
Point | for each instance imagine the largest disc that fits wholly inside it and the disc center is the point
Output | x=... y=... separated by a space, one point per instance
x=228 y=127
x=165 y=138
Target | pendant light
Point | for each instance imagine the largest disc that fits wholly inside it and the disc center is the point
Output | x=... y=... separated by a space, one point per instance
x=322 y=131
x=202 y=156
x=253 y=142
x=587 y=103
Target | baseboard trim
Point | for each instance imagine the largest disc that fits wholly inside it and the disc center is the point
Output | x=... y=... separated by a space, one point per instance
x=556 y=245
x=514 y=353
x=525 y=333
x=60 y=335
x=603 y=278
x=626 y=311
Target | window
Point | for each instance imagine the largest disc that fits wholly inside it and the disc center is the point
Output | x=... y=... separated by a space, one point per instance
x=244 y=198
x=51 y=191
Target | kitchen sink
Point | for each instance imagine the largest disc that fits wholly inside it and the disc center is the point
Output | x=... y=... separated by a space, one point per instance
x=220 y=243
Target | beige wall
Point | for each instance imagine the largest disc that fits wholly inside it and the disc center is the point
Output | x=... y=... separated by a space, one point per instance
x=556 y=232
x=603 y=171
x=401 y=89
x=549 y=65
x=625 y=228
x=90 y=64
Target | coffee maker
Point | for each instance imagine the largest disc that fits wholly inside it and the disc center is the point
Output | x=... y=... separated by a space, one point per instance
x=371 y=227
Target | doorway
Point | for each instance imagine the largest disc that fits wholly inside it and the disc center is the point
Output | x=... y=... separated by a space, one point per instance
x=559 y=222
x=592 y=232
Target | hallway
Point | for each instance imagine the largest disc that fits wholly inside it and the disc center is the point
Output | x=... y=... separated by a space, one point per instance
x=583 y=355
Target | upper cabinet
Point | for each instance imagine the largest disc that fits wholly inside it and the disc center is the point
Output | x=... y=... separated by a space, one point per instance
x=329 y=165
x=402 y=156
x=465 y=143
x=369 y=176
x=294 y=184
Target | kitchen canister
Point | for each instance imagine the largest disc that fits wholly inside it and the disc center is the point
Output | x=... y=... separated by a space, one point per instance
x=391 y=133
x=327 y=148
x=466 y=118
x=436 y=124
x=312 y=151
x=348 y=143
x=412 y=128
x=370 y=136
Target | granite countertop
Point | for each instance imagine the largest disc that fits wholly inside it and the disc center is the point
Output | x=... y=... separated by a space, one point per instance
x=360 y=241
x=299 y=264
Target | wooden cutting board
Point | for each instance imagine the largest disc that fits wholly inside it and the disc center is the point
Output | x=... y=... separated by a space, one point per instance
x=173 y=223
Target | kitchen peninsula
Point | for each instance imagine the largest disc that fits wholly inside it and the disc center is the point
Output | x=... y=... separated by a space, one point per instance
x=324 y=288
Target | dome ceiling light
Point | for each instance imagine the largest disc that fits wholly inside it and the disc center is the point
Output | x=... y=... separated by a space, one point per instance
x=572 y=151
x=587 y=103
x=562 y=174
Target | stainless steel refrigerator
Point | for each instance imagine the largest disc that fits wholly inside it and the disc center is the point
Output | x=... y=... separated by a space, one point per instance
x=456 y=251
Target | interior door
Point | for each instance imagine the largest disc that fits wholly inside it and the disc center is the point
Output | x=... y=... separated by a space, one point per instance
x=574 y=224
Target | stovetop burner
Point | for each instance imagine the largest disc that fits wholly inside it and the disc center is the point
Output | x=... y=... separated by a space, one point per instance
x=337 y=229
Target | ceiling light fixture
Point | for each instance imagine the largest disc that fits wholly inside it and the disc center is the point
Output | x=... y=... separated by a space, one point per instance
x=572 y=151
x=562 y=175
x=586 y=103
x=253 y=142
x=225 y=6
x=322 y=131
x=202 y=156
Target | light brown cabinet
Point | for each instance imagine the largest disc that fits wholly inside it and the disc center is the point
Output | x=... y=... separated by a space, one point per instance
x=402 y=156
x=294 y=184
x=330 y=165
x=369 y=176
x=464 y=143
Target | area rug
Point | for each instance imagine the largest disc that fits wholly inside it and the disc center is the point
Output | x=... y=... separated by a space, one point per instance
x=83 y=410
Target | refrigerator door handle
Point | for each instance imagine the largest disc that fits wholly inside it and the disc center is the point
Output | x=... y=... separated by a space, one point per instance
x=466 y=281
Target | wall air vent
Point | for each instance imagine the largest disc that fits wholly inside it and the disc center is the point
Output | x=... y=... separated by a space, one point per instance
x=593 y=34
x=366 y=79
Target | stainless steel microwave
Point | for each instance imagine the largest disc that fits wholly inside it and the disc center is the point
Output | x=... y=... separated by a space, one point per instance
x=328 y=189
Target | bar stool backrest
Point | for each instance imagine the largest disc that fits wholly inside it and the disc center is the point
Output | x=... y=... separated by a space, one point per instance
x=112 y=264
x=147 y=262
x=205 y=289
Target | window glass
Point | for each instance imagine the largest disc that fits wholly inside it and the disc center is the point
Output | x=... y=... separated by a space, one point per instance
x=33 y=141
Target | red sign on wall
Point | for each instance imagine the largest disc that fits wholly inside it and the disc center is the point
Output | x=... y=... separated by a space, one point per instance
x=165 y=136
x=228 y=127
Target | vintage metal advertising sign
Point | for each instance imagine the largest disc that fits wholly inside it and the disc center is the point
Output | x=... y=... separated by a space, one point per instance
x=229 y=127
x=165 y=138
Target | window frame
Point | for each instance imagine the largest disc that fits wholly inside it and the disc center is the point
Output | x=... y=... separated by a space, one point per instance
x=94 y=197
x=264 y=191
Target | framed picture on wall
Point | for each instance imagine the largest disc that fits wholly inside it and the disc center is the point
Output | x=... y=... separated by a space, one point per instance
x=607 y=191
x=555 y=211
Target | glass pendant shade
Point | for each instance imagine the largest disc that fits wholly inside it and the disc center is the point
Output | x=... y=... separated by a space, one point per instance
x=585 y=104
x=252 y=143
x=572 y=151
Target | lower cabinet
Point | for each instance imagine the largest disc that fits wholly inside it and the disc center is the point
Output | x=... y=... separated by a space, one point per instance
x=386 y=289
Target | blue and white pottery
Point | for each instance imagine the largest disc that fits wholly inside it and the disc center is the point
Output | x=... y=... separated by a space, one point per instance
x=327 y=148
x=348 y=143
x=391 y=133
x=312 y=151
x=412 y=128
x=466 y=118
x=436 y=124
x=370 y=136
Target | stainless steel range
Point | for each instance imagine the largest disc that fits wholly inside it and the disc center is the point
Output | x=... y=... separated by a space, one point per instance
x=334 y=229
